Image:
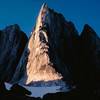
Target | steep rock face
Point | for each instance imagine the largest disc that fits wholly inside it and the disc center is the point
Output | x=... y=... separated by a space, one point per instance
x=12 y=43
x=45 y=56
x=90 y=44
x=89 y=58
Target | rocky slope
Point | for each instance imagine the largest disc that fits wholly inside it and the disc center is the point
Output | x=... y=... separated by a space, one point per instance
x=12 y=43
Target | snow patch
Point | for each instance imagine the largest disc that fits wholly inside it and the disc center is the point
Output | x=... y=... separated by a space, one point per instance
x=8 y=86
x=41 y=91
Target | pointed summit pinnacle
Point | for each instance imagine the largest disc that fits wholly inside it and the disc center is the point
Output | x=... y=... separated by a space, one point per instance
x=42 y=17
x=44 y=5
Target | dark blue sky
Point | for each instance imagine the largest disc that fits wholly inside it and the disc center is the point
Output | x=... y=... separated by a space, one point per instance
x=24 y=12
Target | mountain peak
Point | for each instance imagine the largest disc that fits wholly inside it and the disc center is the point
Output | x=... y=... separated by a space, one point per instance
x=88 y=28
x=42 y=17
x=44 y=60
x=88 y=32
x=44 y=5
x=13 y=27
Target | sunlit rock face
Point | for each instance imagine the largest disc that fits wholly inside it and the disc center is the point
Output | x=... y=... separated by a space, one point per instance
x=44 y=58
x=12 y=43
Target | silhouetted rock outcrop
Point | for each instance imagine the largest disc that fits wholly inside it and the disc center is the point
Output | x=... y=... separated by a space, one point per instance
x=16 y=92
x=3 y=90
x=19 y=90
x=62 y=96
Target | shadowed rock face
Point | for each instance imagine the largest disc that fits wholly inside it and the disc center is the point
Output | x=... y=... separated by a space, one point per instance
x=19 y=90
x=45 y=57
x=89 y=59
x=92 y=43
x=12 y=43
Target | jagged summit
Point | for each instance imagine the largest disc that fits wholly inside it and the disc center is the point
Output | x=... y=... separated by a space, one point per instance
x=43 y=58
x=13 y=27
x=44 y=5
x=42 y=15
x=38 y=64
x=87 y=27
x=88 y=31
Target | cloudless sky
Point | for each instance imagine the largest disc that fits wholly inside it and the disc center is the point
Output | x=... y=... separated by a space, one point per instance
x=24 y=12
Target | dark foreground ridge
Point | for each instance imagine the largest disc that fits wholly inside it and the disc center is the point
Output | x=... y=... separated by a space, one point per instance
x=19 y=93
